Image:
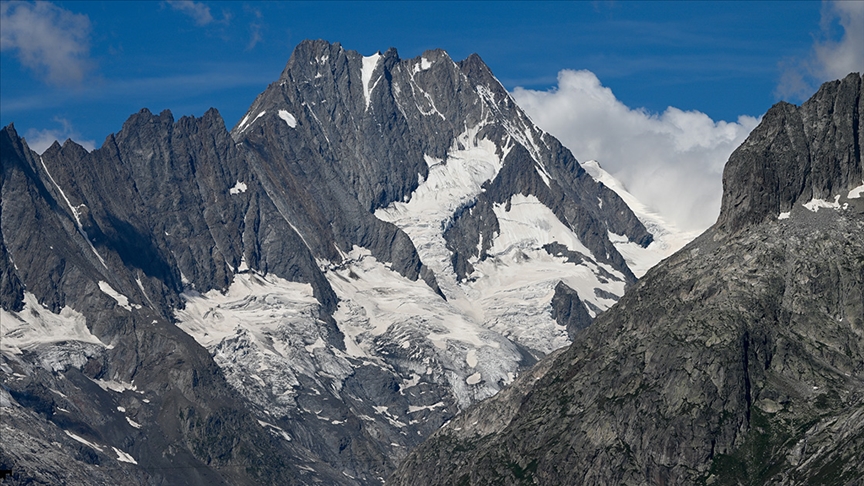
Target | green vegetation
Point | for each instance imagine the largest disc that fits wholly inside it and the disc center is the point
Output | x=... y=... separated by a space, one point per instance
x=762 y=455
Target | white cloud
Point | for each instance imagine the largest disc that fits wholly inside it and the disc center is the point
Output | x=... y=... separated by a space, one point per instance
x=254 y=35
x=198 y=11
x=673 y=161
x=838 y=58
x=40 y=140
x=837 y=50
x=255 y=27
x=47 y=39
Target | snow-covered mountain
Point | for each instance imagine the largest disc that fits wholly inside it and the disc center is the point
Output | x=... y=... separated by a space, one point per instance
x=668 y=238
x=378 y=244
x=738 y=360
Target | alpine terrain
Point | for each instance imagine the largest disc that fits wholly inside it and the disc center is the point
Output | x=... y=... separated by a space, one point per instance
x=738 y=360
x=378 y=244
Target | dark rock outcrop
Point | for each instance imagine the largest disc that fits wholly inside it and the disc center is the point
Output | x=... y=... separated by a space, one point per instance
x=796 y=154
x=568 y=310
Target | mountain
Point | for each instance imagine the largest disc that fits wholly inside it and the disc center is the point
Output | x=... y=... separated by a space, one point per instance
x=376 y=245
x=738 y=360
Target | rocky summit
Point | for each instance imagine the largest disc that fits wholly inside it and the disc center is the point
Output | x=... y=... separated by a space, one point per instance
x=378 y=244
x=739 y=360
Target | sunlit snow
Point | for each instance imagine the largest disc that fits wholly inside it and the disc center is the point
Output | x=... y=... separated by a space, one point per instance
x=289 y=118
x=36 y=325
x=369 y=64
x=124 y=457
x=121 y=299
x=83 y=441
x=115 y=386
x=238 y=188
x=667 y=237
x=243 y=124
x=814 y=204
x=510 y=292
x=263 y=331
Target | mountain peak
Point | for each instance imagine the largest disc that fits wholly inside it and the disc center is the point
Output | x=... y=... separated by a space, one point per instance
x=796 y=154
x=378 y=242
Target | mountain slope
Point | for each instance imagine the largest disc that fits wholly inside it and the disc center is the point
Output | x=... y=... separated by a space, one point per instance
x=377 y=245
x=736 y=361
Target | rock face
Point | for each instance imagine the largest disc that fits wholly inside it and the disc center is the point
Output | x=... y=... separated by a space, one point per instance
x=302 y=299
x=796 y=155
x=739 y=360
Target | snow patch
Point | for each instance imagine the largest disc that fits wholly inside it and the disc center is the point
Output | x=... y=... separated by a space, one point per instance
x=423 y=65
x=433 y=110
x=275 y=430
x=36 y=325
x=471 y=358
x=415 y=409
x=124 y=457
x=473 y=379
x=243 y=124
x=785 y=215
x=121 y=299
x=856 y=192
x=318 y=344
x=115 y=386
x=83 y=441
x=814 y=204
x=238 y=188
x=133 y=423
x=289 y=118
x=369 y=65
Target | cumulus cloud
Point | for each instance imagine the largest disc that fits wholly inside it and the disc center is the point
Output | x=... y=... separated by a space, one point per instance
x=40 y=140
x=199 y=12
x=672 y=161
x=837 y=50
x=51 y=41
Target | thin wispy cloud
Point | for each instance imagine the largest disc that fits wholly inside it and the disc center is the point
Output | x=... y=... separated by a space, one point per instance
x=40 y=140
x=199 y=12
x=254 y=35
x=837 y=50
x=167 y=88
x=255 y=27
x=672 y=161
x=52 y=42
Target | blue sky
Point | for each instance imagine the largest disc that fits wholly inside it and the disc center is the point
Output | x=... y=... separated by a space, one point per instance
x=79 y=69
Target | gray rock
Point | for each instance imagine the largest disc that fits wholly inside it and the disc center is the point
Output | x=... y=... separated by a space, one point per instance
x=795 y=155
x=568 y=310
